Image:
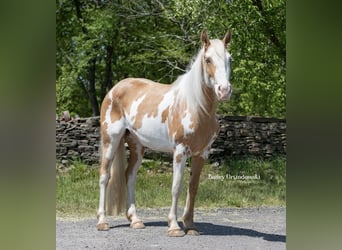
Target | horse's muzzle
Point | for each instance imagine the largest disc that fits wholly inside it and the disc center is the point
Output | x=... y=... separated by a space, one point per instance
x=224 y=93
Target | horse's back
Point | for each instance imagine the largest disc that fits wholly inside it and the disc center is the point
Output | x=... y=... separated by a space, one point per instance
x=131 y=89
x=135 y=87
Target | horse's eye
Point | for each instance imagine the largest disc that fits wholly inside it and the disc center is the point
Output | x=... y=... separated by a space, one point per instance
x=207 y=60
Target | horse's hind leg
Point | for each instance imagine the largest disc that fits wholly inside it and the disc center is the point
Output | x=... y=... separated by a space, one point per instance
x=135 y=158
x=106 y=162
x=109 y=146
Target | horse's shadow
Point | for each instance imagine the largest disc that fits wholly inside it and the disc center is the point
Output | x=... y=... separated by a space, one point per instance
x=220 y=230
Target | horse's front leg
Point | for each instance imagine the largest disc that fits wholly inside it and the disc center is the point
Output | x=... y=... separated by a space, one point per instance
x=179 y=160
x=197 y=163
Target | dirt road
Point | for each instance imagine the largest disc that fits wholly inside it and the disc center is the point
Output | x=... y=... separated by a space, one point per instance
x=228 y=228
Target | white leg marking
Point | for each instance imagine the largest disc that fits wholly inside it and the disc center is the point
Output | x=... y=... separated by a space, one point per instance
x=101 y=212
x=179 y=160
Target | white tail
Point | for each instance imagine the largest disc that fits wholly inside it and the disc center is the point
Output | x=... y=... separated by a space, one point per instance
x=116 y=190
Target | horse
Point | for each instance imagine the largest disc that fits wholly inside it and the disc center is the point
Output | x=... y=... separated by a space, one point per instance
x=179 y=118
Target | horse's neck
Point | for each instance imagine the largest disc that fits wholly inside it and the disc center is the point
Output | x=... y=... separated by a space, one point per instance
x=210 y=100
x=193 y=90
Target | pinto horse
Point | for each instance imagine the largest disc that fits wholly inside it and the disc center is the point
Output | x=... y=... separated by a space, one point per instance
x=178 y=118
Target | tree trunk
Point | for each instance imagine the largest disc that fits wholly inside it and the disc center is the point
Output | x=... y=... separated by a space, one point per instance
x=92 y=91
x=108 y=81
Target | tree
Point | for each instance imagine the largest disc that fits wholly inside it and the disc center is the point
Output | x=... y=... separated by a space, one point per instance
x=102 y=42
x=84 y=31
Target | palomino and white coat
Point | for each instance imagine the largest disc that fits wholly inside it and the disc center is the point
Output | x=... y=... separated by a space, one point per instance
x=178 y=118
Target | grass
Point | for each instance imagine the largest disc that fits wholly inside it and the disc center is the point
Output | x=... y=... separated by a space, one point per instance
x=78 y=192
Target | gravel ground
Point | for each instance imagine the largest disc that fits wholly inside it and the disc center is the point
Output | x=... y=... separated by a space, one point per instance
x=227 y=228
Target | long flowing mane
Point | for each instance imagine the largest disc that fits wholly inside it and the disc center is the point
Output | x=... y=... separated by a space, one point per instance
x=189 y=84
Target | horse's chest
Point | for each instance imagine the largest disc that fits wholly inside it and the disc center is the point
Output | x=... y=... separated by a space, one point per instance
x=198 y=138
x=201 y=142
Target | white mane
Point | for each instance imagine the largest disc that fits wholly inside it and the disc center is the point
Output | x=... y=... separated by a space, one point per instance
x=189 y=84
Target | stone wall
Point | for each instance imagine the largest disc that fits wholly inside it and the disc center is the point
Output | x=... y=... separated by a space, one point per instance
x=79 y=139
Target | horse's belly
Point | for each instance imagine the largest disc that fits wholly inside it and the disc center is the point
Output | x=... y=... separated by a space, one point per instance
x=154 y=135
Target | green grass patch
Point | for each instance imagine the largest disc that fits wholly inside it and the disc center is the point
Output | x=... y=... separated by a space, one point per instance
x=228 y=185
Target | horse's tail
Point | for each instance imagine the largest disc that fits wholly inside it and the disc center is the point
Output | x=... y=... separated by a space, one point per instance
x=116 y=201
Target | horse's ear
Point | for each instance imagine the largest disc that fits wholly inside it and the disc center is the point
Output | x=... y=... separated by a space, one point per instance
x=205 y=39
x=227 y=38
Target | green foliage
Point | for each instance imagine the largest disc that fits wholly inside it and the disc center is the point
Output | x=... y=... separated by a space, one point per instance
x=272 y=171
x=77 y=190
x=158 y=39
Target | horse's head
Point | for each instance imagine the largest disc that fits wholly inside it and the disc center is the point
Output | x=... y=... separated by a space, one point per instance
x=216 y=65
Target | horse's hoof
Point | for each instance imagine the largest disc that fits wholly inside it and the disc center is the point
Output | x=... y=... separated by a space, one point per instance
x=175 y=232
x=137 y=225
x=102 y=227
x=192 y=231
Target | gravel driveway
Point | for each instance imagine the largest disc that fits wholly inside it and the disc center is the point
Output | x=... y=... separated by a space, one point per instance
x=227 y=228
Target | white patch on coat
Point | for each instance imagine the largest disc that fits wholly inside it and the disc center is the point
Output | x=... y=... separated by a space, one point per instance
x=153 y=132
x=114 y=131
x=134 y=109
x=186 y=123
x=167 y=102
x=109 y=109
x=110 y=94
x=114 y=128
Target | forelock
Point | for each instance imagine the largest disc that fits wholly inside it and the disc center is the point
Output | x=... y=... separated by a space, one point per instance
x=218 y=47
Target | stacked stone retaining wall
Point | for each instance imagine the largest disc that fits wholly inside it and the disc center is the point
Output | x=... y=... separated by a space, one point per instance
x=79 y=139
